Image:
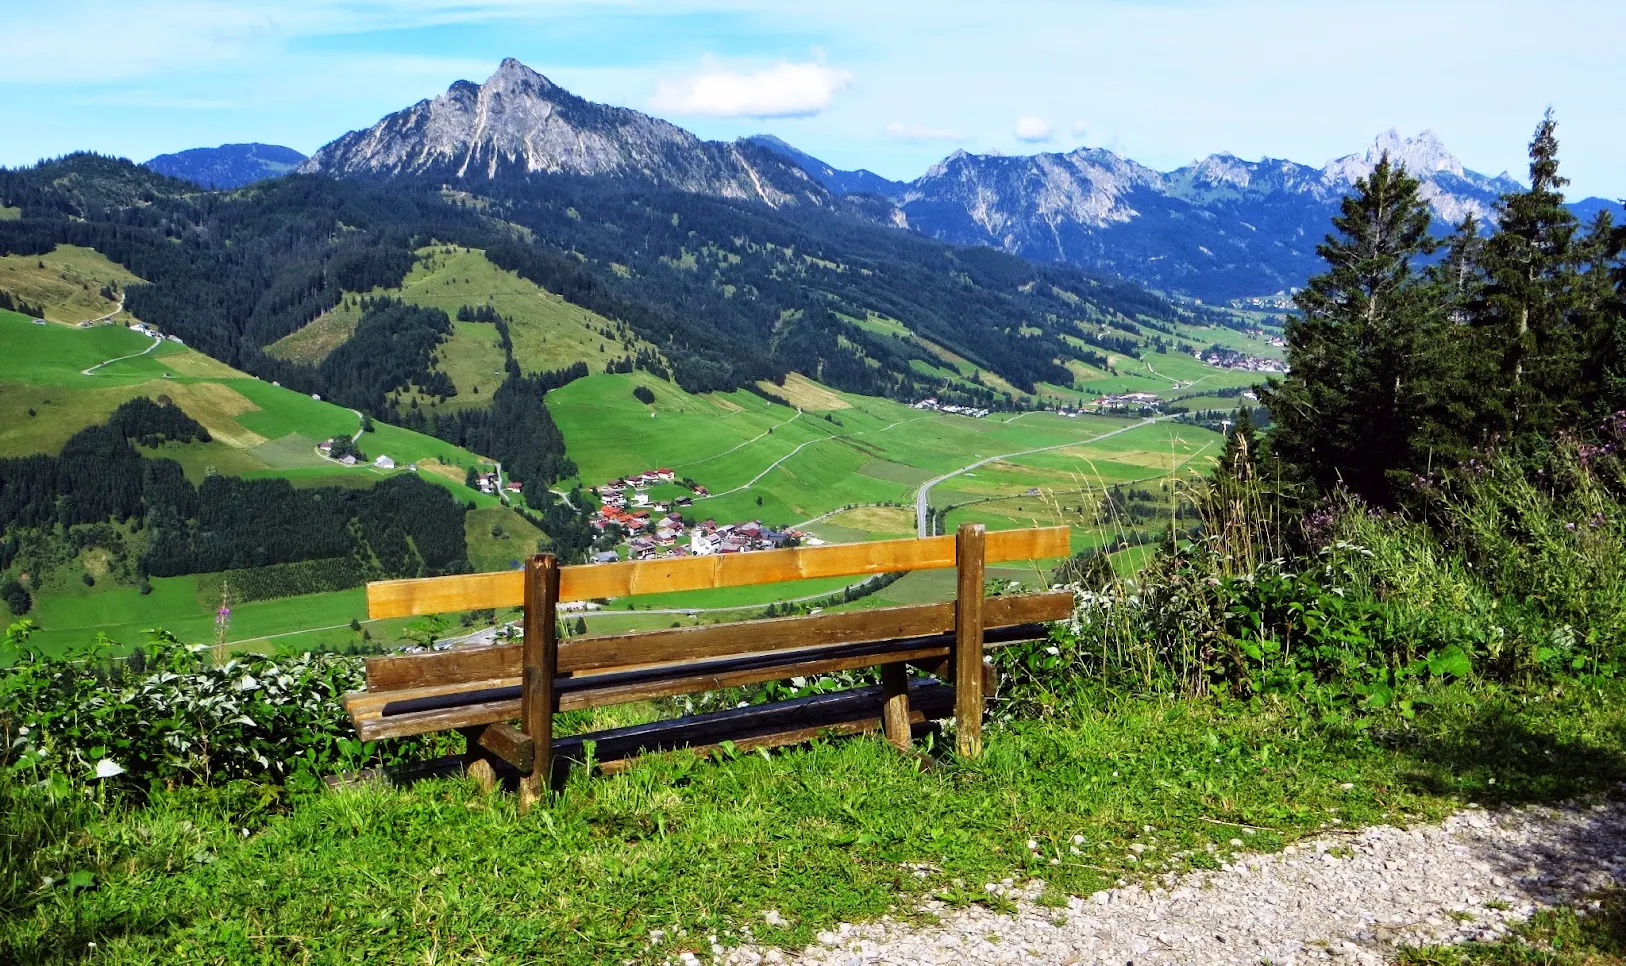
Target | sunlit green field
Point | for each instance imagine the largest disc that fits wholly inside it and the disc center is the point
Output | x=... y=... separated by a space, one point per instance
x=123 y=614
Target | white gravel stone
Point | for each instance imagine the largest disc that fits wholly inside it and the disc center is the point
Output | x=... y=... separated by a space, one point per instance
x=1365 y=893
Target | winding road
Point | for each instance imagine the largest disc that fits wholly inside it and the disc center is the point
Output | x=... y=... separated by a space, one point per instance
x=926 y=487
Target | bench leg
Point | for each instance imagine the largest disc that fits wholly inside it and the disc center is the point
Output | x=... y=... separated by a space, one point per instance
x=479 y=760
x=895 y=707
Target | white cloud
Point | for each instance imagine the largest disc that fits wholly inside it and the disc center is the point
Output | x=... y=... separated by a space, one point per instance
x=787 y=90
x=1080 y=128
x=904 y=131
x=1034 y=130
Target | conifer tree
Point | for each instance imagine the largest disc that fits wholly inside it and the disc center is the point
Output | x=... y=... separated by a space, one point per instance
x=1346 y=410
x=1528 y=306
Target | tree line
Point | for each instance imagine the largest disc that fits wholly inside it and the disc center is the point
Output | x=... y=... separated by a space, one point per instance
x=1412 y=355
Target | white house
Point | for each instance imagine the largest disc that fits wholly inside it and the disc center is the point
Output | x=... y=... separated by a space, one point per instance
x=384 y=463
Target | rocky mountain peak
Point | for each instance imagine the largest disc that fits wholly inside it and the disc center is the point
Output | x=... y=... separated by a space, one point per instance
x=512 y=75
x=1423 y=156
x=519 y=123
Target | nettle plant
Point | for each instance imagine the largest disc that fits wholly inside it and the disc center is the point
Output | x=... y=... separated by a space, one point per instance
x=171 y=714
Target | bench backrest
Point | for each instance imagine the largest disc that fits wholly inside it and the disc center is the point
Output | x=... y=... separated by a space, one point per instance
x=442 y=595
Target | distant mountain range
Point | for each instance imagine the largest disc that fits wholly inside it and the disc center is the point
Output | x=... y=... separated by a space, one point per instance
x=228 y=166
x=1218 y=229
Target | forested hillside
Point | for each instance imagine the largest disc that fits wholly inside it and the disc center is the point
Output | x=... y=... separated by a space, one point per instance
x=729 y=292
x=139 y=508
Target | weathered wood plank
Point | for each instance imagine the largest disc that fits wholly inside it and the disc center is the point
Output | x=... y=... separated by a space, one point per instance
x=445 y=719
x=510 y=744
x=362 y=705
x=747 y=637
x=968 y=637
x=540 y=659
x=460 y=666
x=437 y=595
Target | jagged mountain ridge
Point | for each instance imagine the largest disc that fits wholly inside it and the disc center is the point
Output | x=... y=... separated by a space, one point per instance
x=1218 y=228
x=520 y=122
x=862 y=181
x=229 y=165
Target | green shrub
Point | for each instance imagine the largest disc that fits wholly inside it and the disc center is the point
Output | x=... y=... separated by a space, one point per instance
x=1513 y=575
x=170 y=715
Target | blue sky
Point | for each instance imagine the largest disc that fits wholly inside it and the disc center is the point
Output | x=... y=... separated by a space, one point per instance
x=892 y=86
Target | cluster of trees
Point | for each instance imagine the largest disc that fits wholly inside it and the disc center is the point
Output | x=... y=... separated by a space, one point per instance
x=1401 y=366
x=393 y=348
x=283 y=580
x=152 y=423
x=644 y=359
x=342 y=446
x=517 y=430
x=478 y=313
x=401 y=527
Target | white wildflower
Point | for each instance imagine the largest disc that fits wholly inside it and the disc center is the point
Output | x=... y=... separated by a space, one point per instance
x=107 y=768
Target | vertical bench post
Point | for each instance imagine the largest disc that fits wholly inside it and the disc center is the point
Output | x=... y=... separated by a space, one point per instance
x=540 y=656
x=968 y=562
x=895 y=706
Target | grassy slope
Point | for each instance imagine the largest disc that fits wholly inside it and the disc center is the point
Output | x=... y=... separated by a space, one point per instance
x=439 y=872
x=259 y=430
x=548 y=332
x=872 y=452
x=66 y=283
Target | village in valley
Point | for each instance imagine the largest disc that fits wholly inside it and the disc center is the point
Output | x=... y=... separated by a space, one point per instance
x=656 y=524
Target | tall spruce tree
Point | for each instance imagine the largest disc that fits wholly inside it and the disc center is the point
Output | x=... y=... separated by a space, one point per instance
x=1347 y=409
x=1529 y=305
x=1597 y=315
x=1453 y=413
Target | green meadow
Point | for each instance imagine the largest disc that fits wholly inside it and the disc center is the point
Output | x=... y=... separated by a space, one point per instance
x=846 y=468
x=77 y=616
x=259 y=430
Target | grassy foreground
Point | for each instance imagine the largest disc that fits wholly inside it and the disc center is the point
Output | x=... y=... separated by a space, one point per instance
x=438 y=872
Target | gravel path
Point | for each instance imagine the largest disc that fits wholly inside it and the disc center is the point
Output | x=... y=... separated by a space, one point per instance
x=1342 y=898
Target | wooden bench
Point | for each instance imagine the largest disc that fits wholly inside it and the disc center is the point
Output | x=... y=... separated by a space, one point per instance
x=484 y=690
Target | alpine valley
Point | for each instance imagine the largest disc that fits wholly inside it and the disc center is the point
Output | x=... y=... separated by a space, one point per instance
x=512 y=294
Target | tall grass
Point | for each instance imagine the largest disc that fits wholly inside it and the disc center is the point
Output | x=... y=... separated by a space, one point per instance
x=1503 y=571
